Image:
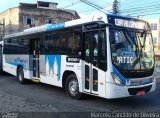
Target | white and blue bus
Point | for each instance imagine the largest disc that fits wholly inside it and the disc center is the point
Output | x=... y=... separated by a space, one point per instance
x=105 y=55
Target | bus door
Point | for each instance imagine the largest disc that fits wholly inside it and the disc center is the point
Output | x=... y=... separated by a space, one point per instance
x=35 y=48
x=91 y=62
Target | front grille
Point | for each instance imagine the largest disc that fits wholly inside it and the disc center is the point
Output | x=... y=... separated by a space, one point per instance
x=140 y=81
x=136 y=74
x=133 y=91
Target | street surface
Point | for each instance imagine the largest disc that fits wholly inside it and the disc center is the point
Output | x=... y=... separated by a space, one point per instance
x=37 y=97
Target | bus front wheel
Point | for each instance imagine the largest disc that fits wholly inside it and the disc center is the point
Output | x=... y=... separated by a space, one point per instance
x=72 y=87
x=20 y=76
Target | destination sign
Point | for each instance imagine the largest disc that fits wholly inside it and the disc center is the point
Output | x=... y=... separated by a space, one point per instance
x=130 y=23
x=127 y=22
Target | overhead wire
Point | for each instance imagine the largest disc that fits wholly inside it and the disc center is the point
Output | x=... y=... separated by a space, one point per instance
x=142 y=9
x=129 y=5
x=93 y=5
x=147 y=14
x=72 y=4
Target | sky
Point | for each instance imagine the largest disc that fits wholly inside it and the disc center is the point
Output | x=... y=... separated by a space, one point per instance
x=140 y=8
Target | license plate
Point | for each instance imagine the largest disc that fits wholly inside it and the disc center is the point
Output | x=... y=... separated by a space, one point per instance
x=140 y=93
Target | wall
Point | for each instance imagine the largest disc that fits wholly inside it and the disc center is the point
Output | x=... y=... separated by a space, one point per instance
x=14 y=17
x=42 y=15
x=156 y=33
x=11 y=19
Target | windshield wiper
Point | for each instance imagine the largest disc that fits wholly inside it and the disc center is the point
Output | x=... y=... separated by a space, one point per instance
x=143 y=34
x=129 y=41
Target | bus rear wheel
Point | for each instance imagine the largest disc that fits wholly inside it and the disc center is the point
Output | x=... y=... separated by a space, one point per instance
x=72 y=87
x=20 y=76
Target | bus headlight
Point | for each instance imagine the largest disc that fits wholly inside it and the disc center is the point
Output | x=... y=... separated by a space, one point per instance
x=116 y=79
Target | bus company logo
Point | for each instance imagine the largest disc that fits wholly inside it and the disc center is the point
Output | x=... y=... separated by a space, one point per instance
x=19 y=60
x=69 y=66
x=136 y=83
x=55 y=26
x=140 y=82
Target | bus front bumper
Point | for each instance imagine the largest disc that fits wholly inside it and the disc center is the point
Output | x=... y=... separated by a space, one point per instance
x=116 y=91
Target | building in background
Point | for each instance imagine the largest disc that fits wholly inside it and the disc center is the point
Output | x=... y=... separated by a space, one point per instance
x=29 y=15
x=155 y=27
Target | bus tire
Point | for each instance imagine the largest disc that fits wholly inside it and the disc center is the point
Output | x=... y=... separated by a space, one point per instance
x=20 y=76
x=72 y=87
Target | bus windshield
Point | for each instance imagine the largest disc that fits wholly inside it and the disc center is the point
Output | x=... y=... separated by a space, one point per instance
x=132 y=50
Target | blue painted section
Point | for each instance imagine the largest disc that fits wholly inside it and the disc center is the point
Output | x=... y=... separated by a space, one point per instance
x=51 y=60
x=55 y=26
x=58 y=57
x=113 y=16
x=16 y=64
x=119 y=75
x=120 y=16
x=18 y=61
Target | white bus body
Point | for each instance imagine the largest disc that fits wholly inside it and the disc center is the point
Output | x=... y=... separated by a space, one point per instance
x=92 y=67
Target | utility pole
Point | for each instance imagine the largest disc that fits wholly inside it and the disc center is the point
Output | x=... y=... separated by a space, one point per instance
x=116 y=6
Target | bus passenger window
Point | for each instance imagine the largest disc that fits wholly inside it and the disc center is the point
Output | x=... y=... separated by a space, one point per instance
x=77 y=42
x=102 y=51
x=52 y=43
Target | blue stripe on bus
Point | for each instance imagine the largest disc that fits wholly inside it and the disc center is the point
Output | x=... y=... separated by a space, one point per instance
x=16 y=64
x=59 y=66
x=119 y=75
x=55 y=26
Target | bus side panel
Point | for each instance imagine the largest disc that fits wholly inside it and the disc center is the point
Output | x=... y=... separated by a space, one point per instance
x=29 y=72
x=101 y=83
x=9 y=68
x=12 y=61
x=50 y=69
x=71 y=64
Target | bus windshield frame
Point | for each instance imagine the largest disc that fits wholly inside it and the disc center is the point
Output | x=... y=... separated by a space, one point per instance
x=132 y=49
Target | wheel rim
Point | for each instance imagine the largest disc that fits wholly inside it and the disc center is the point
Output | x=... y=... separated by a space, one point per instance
x=20 y=76
x=73 y=87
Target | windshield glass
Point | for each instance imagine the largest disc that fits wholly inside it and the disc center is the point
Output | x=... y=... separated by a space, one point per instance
x=132 y=50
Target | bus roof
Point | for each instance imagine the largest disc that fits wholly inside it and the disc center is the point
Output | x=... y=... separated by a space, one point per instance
x=90 y=18
x=50 y=27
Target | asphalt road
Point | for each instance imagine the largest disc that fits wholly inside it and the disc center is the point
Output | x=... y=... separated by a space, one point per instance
x=37 y=97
